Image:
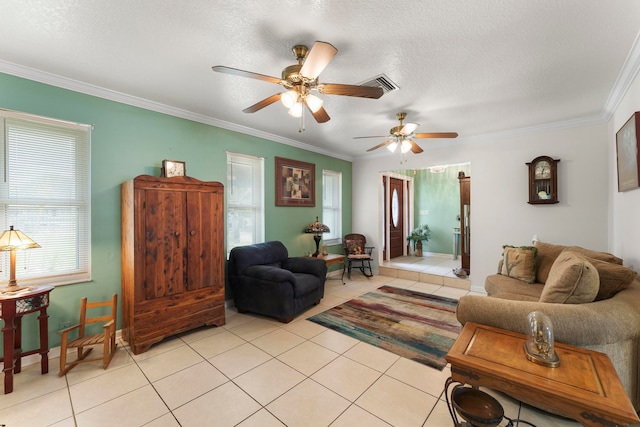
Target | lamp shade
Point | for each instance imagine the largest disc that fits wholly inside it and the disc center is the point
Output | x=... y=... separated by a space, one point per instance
x=316 y=227
x=12 y=240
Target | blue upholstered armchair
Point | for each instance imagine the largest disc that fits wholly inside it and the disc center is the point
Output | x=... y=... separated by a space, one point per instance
x=264 y=280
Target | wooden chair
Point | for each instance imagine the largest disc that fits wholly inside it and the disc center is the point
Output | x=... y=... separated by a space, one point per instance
x=357 y=254
x=107 y=338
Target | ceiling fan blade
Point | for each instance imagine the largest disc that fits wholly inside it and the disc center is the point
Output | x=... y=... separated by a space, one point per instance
x=264 y=103
x=317 y=59
x=321 y=115
x=242 y=73
x=387 y=142
x=350 y=90
x=415 y=148
x=409 y=128
x=378 y=136
x=436 y=135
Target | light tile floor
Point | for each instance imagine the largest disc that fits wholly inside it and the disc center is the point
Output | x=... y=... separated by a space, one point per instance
x=253 y=371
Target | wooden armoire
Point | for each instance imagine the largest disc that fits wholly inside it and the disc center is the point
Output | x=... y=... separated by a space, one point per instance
x=172 y=257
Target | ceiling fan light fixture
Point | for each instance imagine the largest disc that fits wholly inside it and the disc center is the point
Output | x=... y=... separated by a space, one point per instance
x=313 y=102
x=289 y=98
x=296 y=109
x=406 y=146
x=392 y=147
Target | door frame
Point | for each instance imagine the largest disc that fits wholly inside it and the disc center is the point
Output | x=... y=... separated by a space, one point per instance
x=384 y=199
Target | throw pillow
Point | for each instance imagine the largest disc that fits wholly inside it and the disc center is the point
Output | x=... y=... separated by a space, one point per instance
x=547 y=254
x=519 y=262
x=613 y=278
x=354 y=247
x=572 y=280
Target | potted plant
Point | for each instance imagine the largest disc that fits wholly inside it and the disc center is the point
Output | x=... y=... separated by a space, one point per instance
x=417 y=236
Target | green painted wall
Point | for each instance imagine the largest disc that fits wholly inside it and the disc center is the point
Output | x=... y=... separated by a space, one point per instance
x=439 y=195
x=129 y=141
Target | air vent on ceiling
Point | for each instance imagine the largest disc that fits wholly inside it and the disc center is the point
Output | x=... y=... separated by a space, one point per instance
x=381 y=81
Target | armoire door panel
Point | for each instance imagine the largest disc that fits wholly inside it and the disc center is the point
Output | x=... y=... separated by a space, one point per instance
x=165 y=241
x=200 y=242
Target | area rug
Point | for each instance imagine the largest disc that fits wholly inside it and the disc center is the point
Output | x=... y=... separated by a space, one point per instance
x=415 y=325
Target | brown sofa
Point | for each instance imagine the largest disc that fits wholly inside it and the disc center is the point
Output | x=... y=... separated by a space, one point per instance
x=605 y=318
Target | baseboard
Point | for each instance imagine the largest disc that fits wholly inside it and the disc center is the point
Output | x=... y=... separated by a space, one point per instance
x=54 y=352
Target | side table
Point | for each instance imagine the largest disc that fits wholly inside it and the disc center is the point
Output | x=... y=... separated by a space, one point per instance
x=585 y=387
x=12 y=308
x=332 y=259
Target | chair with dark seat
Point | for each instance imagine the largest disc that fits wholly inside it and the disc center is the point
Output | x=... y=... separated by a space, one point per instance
x=357 y=254
x=265 y=280
x=104 y=315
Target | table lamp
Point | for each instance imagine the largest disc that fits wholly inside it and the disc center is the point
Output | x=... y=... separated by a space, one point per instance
x=12 y=240
x=317 y=228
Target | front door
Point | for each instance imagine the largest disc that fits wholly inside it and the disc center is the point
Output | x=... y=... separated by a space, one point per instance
x=395 y=217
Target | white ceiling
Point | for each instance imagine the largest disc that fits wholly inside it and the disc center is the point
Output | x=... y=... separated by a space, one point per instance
x=474 y=67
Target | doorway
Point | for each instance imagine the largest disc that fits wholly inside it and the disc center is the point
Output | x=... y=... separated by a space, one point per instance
x=428 y=196
x=396 y=211
x=395 y=217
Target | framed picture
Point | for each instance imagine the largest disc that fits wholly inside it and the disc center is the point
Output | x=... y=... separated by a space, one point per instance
x=295 y=183
x=628 y=154
x=171 y=168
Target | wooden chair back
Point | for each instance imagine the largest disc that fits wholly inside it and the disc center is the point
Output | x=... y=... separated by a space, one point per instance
x=107 y=338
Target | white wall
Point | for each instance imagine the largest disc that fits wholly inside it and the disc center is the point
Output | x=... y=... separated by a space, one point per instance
x=624 y=223
x=500 y=213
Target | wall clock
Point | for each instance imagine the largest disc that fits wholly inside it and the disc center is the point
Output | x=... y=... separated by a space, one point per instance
x=171 y=168
x=543 y=180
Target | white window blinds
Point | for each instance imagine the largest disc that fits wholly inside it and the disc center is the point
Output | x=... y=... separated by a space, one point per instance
x=245 y=200
x=332 y=205
x=45 y=193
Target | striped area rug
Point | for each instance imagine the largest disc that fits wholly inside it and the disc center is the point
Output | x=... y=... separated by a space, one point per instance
x=418 y=326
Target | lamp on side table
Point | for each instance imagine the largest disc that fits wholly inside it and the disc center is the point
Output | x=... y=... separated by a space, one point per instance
x=317 y=228
x=12 y=240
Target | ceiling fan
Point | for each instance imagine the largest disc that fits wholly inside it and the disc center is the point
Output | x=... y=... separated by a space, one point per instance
x=301 y=79
x=402 y=134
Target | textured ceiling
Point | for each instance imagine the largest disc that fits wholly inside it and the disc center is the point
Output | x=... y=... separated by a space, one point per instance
x=474 y=67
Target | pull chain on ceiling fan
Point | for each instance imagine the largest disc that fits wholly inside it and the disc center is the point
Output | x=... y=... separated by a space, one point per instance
x=301 y=79
x=401 y=136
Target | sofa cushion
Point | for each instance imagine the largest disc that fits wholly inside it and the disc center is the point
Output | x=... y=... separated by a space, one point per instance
x=266 y=253
x=304 y=284
x=602 y=256
x=572 y=280
x=547 y=254
x=613 y=278
x=497 y=285
x=519 y=262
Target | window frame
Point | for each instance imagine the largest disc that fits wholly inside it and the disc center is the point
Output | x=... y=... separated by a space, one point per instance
x=332 y=180
x=257 y=204
x=33 y=213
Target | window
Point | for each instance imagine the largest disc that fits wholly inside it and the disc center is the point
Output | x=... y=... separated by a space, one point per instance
x=332 y=206
x=45 y=193
x=245 y=200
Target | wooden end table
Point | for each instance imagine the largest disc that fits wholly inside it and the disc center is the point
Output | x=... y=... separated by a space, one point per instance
x=332 y=259
x=12 y=308
x=585 y=387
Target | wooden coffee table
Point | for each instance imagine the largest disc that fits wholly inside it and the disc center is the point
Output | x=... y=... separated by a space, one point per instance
x=332 y=259
x=585 y=387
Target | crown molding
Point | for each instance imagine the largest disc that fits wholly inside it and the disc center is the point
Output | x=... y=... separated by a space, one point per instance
x=627 y=74
x=100 y=92
x=625 y=78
